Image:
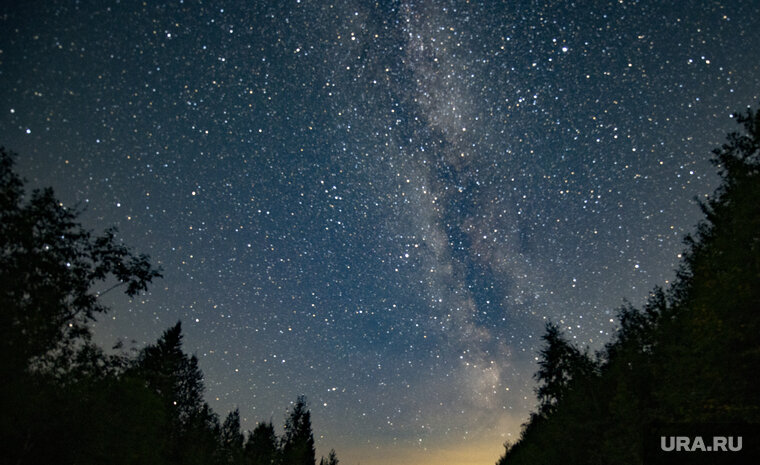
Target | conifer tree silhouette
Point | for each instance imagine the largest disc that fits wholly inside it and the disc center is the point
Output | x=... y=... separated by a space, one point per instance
x=298 y=443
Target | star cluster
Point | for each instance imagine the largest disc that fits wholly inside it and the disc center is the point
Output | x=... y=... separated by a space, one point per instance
x=379 y=205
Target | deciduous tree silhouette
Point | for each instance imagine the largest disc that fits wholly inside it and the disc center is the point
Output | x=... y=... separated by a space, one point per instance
x=49 y=267
x=62 y=398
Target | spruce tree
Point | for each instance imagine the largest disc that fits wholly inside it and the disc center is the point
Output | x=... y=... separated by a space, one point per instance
x=194 y=429
x=298 y=444
x=262 y=446
x=231 y=439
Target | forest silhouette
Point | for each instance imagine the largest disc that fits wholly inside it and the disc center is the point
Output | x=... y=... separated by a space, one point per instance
x=64 y=400
x=688 y=355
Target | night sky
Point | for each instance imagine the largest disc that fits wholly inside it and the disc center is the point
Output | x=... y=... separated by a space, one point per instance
x=380 y=204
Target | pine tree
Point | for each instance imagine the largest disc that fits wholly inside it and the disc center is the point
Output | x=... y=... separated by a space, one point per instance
x=231 y=439
x=176 y=378
x=173 y=375
x=298 y=444
x=332 y=459
x=262 y=446
x=560 y=362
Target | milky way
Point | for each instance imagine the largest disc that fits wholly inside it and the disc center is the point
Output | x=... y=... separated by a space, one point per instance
x=379 y=205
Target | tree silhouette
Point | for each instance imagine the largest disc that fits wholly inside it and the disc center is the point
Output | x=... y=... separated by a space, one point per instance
x=49 y=267
x=298 y=443
x=332 y=459
x=62 y=398
x=262 y=446
x=231 y=439
x=173 y=375
x=688 y=356
x=176 y=379
x=66 y=401
x=560 y=362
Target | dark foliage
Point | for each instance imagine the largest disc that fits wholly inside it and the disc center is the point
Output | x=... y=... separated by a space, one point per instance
x=63 y=399
x=49 y=265
x=561 y=367
x=262 y=446
x=298 y=443
x=332 y=459
x=689 y=355
x=232 y=439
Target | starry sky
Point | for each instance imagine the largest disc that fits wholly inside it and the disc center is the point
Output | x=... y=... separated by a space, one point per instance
x=380 y=204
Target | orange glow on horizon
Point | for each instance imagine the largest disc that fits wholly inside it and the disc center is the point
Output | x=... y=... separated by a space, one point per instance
x=483 y=448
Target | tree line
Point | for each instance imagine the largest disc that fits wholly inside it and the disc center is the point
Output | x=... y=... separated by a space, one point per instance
x=689 y=355
x=63 y=399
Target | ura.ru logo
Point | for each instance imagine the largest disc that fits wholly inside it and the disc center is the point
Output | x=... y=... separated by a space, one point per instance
x=698 y=444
